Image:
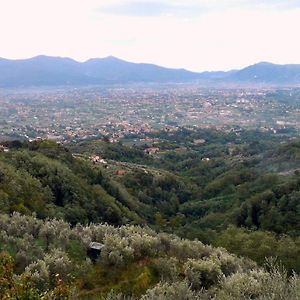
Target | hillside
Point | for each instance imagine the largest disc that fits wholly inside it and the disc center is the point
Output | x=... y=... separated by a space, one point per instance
x=244 y=198
x=245 y=183
x=191 y=190
x=134 y=263
x=45 y=178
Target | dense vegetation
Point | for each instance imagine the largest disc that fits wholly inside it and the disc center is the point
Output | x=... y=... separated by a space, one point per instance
x=247 y=179
x=45 y=178
x=238 y=190
x=50 y=258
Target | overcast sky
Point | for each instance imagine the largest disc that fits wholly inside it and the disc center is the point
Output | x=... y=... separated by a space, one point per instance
x=193 y=34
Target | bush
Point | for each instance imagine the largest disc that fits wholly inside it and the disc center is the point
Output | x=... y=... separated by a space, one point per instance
x=177 y=290
x=202 y=273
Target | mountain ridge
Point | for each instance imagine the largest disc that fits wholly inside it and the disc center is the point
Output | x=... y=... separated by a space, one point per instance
x=45 y=70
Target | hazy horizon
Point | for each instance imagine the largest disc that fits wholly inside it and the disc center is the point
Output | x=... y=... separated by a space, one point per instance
x=195 y=35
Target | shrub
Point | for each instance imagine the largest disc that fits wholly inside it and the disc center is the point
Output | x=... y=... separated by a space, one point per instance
x=178 y=290
x=202 y=273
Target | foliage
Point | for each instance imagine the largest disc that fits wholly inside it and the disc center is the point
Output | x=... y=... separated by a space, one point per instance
x=44 y=178
x=239 y=190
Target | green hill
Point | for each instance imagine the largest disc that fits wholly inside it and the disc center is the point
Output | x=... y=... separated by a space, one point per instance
x=45 y=178
x=230 y=191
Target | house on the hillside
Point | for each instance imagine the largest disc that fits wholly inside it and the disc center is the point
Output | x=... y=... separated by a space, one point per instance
x=4 y=149
x=95 y=158
x=152 y=150
x=94 y=251
x=198 y=142
x=120 y=172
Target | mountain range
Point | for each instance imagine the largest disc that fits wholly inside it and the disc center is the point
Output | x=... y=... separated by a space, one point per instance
x=58 y=71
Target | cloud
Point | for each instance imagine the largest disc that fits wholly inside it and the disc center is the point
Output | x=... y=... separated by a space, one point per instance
x=267 y=4
x=189 y=8
x=154 y=8
x=135 y=8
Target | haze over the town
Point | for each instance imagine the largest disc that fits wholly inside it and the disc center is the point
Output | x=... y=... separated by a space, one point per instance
x=196 y=35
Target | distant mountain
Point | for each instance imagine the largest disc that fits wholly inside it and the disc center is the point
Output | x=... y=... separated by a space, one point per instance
x=51 y=71
x=117 y=70
x=39 y=70
x=268 y=73
x=58 y=71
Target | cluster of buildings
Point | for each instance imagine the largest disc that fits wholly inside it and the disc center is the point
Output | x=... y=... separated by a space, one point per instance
x=117 y=112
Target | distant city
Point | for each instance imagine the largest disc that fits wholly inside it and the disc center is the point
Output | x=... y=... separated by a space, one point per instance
x=117 y=112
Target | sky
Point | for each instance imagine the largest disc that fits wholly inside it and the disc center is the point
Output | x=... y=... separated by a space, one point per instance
x=193 y=34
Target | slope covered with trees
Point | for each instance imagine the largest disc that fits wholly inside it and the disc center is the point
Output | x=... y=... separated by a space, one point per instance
x=230 y=191
x=246 y=179
x=44 y=178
